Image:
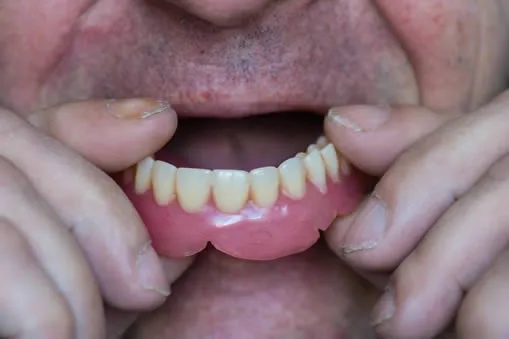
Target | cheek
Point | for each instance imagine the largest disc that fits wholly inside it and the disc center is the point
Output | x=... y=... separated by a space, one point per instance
x=442 y=39
x=28 y=28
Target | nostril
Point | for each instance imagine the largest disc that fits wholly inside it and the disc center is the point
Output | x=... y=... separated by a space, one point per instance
x=222 y=12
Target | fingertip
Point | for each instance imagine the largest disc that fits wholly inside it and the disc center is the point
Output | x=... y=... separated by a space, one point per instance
x=151 y=276
x=112 y=134
x=359 y=118
x=356 y=133
x=373 y=137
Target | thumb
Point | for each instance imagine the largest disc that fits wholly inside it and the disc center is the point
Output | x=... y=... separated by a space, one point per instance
x=372 y=138
x=112 y=134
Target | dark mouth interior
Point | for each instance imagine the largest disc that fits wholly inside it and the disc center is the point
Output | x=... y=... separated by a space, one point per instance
x=245 y=143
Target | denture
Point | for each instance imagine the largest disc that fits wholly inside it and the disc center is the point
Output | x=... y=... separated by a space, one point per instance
x=263 y=214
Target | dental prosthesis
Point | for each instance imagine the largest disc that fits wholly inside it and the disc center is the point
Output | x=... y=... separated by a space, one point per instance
x=264 y=214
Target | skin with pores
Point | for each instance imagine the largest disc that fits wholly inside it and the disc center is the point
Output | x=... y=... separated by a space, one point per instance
x=430 y=76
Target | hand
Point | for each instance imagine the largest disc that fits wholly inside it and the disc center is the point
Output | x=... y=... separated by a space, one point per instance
x=68 y=235
x=437 y=221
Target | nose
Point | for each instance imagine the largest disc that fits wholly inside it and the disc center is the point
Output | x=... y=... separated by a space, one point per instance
x=222 y=12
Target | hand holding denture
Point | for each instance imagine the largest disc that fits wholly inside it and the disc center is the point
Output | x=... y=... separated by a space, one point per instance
x=69 y=237
x=437 y=221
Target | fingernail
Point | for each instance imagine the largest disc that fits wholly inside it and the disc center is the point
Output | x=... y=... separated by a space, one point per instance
x=136 y=108
x=368 y=227
x=150 y=271
x=359 y=118
x=385 y=309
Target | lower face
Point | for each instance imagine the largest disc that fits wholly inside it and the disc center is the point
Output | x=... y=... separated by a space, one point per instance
x=296 y=56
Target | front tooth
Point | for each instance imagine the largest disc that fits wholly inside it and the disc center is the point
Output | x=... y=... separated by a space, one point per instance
x=143 y=175
x=316 y=170
x=230 y=190
x=330 y=157
x=264 y=186
x=293 y=178
x=193 y=188
x=164 y=182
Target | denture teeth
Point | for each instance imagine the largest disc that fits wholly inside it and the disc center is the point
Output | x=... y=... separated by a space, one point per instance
x=193 y=188
x=293 y=178
x=143 y=177
x=330 y=157
x=264 y=186
x=164 y=175
x=230 y=190
x=316 y=170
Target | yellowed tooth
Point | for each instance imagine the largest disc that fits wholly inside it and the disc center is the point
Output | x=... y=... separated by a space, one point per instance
x=163 y=182
x=316 y=170
x=193 y=188
x=330 y=157
x=293 y=178
x=143 y=176
x=264 y=186
x=230 y=190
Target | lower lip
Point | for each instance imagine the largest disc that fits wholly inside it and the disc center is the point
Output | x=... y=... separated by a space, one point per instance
x=289 y=227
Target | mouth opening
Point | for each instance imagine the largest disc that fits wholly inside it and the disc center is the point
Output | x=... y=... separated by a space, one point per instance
x=242 y=143
x=258 y=188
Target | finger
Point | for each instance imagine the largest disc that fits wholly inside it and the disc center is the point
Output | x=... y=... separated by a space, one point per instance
x=30 y=305
x=113 y=135
x=373 y=137
x=455 y=253
x=118 y=322
x=55 y=249
x=104 y=222
x=483 y=313
x=420 y=186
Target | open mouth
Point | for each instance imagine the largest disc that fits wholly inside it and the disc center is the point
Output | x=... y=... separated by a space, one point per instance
x=258 y=187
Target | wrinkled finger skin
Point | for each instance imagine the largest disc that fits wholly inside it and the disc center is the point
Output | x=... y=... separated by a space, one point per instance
x=437 y=218
x=84 y=239
x=50 y=254
x=87 y=201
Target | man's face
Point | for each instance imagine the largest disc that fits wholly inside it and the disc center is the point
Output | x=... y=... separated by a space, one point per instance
x=226 y=59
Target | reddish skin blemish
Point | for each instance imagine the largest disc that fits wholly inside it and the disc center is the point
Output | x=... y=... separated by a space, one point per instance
x=254 y=233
